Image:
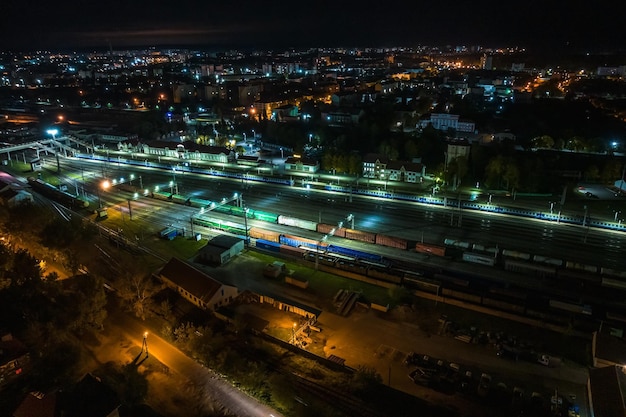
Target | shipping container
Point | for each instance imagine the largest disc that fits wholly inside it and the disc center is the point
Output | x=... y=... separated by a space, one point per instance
x=454 y=281
x=296 y=282
x=384 y=275
x=547 y=260
x=295 y=222
x=478 y=258
x=265 y=216
x=179 y=199
x=577 y=274
x=392 y=242
x=160 y=195
x=296 y=241
x=199 y=203
x=614 y=283
x=613 y=273
x=268 y=245
x=168 y=233
x=515 y=254
x=292 y=251
x=477 y=247
x=460 y=295
x=327 y=228
x=258 y=233
x=503 y=305
x=430 y=249
x=421 y=283
x=354 y=253
x=456 y=243
x=581 y=267
x=360 y=235
x=352 y=267
x=530 y=268
x=571 y=307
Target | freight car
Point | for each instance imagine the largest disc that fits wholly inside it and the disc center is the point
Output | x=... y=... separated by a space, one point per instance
x=539 y=270
x=479 y=258
x=57 y=195
x=218 y=224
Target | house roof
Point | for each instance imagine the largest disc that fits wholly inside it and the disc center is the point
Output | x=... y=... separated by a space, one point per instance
x=37 y=404
x=224 y=242
x=408 y=166
x=194 y=281
x=374 y=157
x=89 y=397
x=8 y=194
x=610 y=348
x=303 y=161
x=252 y=158
x=608 y=390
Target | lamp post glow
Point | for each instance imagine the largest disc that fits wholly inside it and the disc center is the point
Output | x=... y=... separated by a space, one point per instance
x=105 y=185
x=53 y=132
x=144 y=345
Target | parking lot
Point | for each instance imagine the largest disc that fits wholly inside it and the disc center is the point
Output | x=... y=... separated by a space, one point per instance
x=439 y=369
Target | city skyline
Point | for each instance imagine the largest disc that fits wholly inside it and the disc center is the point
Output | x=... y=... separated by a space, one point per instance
x=246 y=24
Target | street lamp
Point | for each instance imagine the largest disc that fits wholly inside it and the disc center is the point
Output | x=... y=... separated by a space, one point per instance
x=104 y=186
x=145 y=343
x=53 y=132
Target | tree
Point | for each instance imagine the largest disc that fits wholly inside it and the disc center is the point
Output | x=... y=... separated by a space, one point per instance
x=354 y=164
x=592 y=173
x=457 y=170
x=494 y=170
x=410 y=149
x=365 y=380
x=136 y=290
x=544 y=141
x=611 y=171
x=388 y=149
x=511 y=175
x=25 y=269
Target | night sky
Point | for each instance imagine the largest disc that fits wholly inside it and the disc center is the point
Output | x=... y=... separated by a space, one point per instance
x=63 y=25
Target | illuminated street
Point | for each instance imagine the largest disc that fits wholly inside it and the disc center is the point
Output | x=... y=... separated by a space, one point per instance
x=216 y=393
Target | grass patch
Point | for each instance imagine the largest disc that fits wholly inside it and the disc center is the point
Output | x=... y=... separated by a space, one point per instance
x=325 y=285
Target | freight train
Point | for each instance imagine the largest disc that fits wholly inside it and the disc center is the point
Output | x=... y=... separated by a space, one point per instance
x=340 y=260
x=470 y=252
x=52 y=192
x=353 y=263
x=207 y=206
x=528 y=264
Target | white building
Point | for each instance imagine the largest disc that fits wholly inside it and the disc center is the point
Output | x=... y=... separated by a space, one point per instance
x=445 y=121
x=197 y=287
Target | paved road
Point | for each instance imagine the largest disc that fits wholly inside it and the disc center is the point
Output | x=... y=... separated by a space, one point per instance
x=216 y=390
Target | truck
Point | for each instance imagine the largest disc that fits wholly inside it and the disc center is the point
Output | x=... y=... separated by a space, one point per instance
x=168 y=233
x=102 y=213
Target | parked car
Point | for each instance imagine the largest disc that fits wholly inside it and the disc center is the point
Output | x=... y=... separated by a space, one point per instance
x=419 y=376
x=484 y=384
